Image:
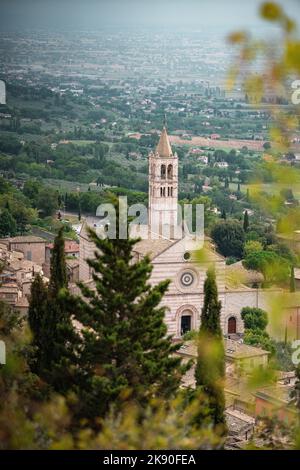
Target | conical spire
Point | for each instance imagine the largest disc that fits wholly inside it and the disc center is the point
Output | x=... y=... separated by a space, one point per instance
x=163 y=147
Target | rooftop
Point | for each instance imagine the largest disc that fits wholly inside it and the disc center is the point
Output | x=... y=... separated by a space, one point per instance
x=233 y=350
x=152 y=247
x=276 y=394
x=70 y=246
x=238 y=422
x=236 y=275
x=26 y=239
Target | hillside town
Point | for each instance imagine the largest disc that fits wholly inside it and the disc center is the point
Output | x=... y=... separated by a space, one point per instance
x=149 y=228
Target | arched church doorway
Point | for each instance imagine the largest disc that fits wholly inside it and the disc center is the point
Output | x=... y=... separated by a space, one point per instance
x=185 y=323
x=232 y=326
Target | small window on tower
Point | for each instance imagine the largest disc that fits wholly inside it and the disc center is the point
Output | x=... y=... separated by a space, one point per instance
x=163 y=172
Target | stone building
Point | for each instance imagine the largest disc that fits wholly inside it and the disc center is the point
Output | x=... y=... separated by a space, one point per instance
x=172 y=258
x=32 y=247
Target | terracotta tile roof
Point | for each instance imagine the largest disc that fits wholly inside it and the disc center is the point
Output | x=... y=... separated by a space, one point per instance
x=152 y=248
x=70 y=246
x=277 y=394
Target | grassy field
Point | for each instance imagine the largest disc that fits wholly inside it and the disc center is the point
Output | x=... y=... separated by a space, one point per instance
x=70 y=186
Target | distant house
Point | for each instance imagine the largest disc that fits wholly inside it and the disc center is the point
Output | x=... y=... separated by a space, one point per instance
x=239 y=357
x=22 y=305
x=32 y=247
x=240 y=427
x=73 y=270
x=10 y=293
x=221 y=164
x=203 y=159
x=206 y=188
x=71 y=251
x=245 y=358
x=275 y=402
x=241 y=360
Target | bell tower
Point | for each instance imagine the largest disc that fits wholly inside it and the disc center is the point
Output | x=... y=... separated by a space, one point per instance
x=163 y=188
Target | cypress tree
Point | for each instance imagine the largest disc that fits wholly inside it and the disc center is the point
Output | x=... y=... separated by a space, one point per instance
x=53 y=334
x=125 y=352
x=292 y=280
x=36 y=319
x=58 y=268
x=210 y=367
x=223 y=214
x=79 y=211
x=8 y=224
x=246 y=221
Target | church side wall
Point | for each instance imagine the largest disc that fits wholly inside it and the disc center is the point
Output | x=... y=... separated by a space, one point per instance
x=86 y=251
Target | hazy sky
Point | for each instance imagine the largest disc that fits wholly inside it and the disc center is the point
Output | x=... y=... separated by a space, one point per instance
x=94 y=14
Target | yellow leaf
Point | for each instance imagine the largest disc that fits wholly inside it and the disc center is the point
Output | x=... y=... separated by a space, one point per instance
x=237 y=37
x=271 y=11
x=292 y=55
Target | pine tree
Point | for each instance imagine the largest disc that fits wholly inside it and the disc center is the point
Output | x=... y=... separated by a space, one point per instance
x=246 y=221
x=210 y=367
x=292 y=280
x=126 y=353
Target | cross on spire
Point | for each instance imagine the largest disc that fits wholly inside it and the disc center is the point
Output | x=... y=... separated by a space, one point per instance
x=165 y=120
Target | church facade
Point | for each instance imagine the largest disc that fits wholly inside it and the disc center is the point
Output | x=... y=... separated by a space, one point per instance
x=171 y=259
